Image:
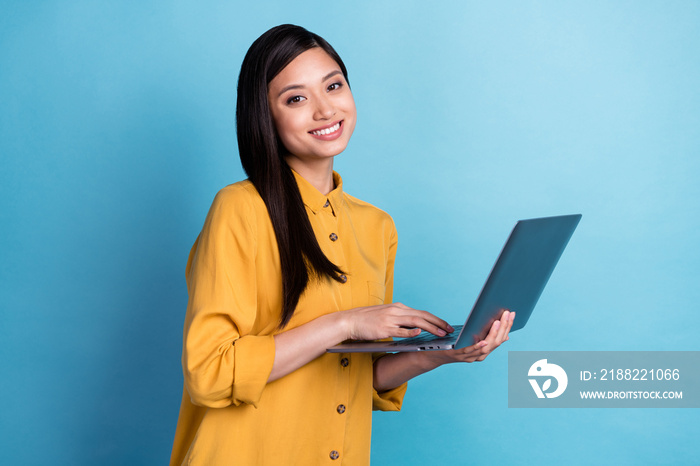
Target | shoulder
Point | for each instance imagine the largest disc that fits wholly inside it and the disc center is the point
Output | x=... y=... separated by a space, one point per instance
x=236 y=205
x=241 y=193
x=239 y=197
x=370 y=215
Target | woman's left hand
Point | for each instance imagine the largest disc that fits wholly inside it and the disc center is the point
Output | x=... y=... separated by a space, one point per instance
x=478 y=352
x=392 y=370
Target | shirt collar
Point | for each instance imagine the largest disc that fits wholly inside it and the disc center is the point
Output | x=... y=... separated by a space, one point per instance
x=315 y=200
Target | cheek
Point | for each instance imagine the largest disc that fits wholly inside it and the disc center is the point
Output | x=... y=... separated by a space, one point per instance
x=286 y=127
x=352 y=114
x=350 y=109
x=291 y=134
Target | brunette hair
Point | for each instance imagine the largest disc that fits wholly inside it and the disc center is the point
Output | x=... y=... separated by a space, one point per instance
x=262 y=156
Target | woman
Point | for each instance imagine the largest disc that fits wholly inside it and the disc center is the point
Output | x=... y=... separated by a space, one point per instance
x=286 y=266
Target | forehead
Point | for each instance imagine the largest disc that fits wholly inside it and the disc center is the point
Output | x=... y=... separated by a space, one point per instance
x=307 y=68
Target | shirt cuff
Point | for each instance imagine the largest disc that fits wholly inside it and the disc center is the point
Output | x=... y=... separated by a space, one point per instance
x=390 y=400
x=254 y=357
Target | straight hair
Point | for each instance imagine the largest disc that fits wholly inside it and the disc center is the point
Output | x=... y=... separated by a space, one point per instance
x=262 y=156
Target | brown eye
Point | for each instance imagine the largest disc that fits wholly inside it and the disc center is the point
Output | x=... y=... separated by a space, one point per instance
x=295 y=100
x=335 y=86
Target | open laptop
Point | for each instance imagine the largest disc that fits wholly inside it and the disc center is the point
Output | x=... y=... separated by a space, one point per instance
x=515 y=284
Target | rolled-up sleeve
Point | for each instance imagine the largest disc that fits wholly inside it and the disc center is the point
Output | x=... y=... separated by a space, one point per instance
x=223 y=362
x=390 y=400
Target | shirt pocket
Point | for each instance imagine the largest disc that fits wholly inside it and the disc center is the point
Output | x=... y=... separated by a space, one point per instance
x=376 y=292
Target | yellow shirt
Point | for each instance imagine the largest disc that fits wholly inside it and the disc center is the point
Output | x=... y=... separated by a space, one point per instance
x=318 y=414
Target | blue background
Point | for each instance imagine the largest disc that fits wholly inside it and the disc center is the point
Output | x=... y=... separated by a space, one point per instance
x=117 y=128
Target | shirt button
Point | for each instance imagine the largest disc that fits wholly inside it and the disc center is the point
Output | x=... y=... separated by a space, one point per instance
x=341 y=409
x=333 y=237
x=327 y=203
x=344 y=362
x=334 y=455
x=343 y=279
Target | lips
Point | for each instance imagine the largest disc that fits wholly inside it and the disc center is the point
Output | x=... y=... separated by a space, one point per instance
x=328 y=133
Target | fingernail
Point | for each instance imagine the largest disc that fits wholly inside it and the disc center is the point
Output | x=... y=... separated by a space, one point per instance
x=450 y=328
x=441 y=332
x=512 y=316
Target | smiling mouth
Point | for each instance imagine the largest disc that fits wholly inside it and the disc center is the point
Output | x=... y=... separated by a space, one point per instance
x=326 y=131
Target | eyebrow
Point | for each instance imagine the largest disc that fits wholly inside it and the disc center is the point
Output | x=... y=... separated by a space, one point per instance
x=300 y=86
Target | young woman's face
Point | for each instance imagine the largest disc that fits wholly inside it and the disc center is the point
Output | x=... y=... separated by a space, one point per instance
x=312 y=107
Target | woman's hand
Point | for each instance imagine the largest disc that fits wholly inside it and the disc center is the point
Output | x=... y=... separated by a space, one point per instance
x=478 y=352
x=300 y=345
x=391 y=320
x=394 y=369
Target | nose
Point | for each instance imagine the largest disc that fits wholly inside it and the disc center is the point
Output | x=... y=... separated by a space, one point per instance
x=324 y=108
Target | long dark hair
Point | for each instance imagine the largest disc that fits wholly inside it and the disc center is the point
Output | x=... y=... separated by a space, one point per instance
x=262 y=156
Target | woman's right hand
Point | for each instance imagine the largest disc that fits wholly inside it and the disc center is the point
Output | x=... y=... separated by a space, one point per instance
x=302 y=344
x=391 y=320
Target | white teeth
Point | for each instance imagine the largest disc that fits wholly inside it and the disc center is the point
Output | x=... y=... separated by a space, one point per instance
x=330 y=130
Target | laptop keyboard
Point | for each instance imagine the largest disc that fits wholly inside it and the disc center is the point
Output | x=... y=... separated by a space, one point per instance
x=429 y=337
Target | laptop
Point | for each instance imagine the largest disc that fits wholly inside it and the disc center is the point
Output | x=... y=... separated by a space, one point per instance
x=515 y=284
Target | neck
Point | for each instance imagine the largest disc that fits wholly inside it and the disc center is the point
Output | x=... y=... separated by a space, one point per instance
x=318 y=173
